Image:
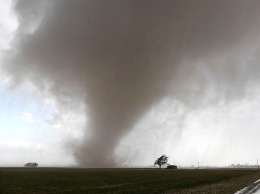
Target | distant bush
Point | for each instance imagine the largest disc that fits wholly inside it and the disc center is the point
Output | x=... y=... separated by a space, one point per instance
x=31 y=164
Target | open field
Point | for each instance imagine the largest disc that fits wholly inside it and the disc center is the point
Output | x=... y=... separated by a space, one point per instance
x=71 y=180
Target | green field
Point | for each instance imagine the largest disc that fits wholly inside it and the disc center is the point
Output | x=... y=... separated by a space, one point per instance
x=70 y=180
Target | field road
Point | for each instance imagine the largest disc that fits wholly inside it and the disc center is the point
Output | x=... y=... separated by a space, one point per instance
x=252 y=189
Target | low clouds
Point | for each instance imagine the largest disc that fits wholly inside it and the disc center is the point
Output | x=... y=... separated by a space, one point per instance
x=8 y=24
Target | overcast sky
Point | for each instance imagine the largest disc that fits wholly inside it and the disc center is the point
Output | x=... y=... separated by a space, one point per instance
x=119 y=83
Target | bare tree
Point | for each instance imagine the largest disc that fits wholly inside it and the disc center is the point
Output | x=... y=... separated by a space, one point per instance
x=161 y=161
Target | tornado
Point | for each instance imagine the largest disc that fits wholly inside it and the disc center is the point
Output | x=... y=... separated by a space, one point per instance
x=122 y=57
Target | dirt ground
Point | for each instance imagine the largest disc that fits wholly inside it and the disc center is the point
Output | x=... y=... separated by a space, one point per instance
x=93 y=181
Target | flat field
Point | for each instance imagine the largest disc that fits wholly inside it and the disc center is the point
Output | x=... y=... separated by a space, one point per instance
x=75 y=180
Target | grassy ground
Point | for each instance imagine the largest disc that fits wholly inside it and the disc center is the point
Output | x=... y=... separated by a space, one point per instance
x=61 y=180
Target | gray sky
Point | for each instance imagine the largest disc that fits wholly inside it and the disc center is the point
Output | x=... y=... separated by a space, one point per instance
x=128 y=79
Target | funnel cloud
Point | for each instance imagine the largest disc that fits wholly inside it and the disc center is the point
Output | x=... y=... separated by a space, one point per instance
x=120 y=58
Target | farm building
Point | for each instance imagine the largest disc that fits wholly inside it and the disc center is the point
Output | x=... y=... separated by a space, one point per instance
x=171 y=167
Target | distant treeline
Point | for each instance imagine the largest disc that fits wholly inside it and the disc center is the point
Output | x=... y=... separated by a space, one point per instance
x=31 y=164
x=246 y=165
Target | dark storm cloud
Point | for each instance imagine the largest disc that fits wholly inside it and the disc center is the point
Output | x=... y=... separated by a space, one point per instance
x=122 y=57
